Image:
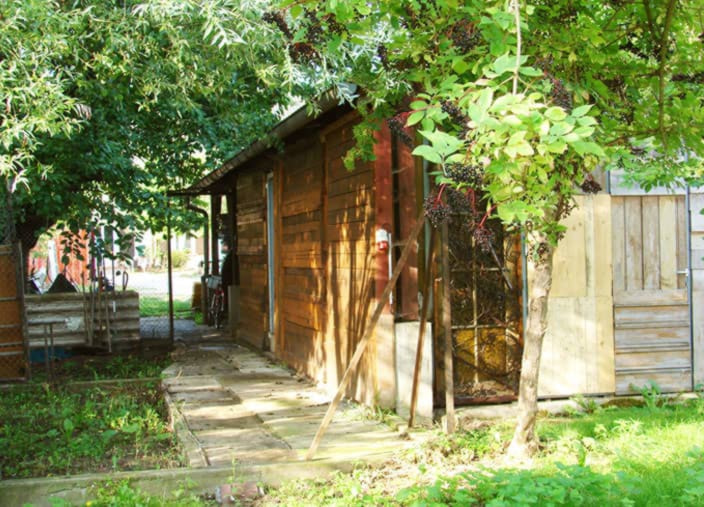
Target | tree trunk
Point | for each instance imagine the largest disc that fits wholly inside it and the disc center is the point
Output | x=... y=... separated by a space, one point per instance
x=524 y=441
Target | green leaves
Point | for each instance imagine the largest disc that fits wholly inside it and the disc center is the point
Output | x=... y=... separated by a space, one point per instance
x=106 y=107
x=442 y=146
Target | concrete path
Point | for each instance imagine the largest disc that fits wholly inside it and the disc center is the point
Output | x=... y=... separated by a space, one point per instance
x=241 y=409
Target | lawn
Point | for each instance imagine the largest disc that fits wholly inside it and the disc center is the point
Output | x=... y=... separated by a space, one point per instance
x=158 y=306
x=638 y=455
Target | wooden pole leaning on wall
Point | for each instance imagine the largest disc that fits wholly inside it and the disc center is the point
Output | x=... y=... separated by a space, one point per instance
x=447 y=326
x=362 y=345
x=425 y=302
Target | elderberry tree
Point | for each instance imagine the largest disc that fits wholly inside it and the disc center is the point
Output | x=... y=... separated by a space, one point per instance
x=515 y=104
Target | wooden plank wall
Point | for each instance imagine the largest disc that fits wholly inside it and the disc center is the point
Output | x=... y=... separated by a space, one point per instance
x=578 y=351
x=301 y=270
x=124 y=322
x=350 y=265
x=252 y=255
x=651 y=315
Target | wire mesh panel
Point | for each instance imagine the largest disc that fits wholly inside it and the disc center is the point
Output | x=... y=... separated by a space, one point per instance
x=13 y=355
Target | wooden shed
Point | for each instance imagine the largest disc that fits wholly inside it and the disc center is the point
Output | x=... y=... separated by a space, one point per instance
x=309 y=270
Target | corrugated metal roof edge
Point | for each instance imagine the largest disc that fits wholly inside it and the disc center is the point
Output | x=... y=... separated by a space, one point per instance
x=284 y=128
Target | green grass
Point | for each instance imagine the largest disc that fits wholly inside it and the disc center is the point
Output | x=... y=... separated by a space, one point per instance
x=158 y=306
x=649 y=455
x=46 y=431
x=122 y=494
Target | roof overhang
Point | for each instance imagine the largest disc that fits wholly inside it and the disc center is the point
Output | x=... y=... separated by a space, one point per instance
x=287 y=126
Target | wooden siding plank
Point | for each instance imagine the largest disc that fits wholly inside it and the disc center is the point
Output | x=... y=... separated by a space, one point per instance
x=651 y=297
x=645 y=337
x=648 y=316
x=569 y=264
x=602 y=257
x=651 y=242
x=668 y=241
x=681 y=242
x=618 y=209
x=634 y=244
x=669 y=381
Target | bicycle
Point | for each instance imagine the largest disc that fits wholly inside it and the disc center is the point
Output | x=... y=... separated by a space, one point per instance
x=216 y=307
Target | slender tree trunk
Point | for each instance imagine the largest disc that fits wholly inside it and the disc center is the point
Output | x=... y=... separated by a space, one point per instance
x=524 y=441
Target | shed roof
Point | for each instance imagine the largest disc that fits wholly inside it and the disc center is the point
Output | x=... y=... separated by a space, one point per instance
x=287 y=126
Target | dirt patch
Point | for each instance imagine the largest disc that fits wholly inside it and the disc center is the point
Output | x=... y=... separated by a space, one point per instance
x=82 y=365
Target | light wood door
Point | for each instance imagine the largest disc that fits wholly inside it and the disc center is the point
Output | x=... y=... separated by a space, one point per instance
x=651 y=307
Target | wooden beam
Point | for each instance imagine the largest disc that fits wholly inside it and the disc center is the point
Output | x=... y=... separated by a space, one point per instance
x=425 y=299
x=447 y=325
x=362 y=345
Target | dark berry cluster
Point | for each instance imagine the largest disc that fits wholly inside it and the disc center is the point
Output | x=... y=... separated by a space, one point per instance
x=396 y=125
x=334 y=26
x=457 y=201
x=301 y=52
x=590 y=186
x=313 y=29
x=276 y=18
x=436 y=211
x=471 y=175
x=484 y=238
x=561 y=95
x=465 y=36
x=455 y=113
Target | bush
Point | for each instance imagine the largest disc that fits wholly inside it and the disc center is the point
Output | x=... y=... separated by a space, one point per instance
x=179 y=258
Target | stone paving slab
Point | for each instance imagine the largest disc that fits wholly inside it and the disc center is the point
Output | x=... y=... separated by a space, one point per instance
x=242 y=408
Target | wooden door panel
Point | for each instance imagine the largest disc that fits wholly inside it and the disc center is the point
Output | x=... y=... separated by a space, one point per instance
x=651 y=308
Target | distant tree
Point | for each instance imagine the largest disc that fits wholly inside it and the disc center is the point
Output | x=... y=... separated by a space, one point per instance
x=517 y=103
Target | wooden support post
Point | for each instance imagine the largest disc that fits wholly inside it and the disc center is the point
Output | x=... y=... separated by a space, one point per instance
x=362 y=345
x=425 y=301
x=447 y=325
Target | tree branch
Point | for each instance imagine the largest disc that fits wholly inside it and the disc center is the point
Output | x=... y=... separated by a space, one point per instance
x=651 y=22
x=661 y=71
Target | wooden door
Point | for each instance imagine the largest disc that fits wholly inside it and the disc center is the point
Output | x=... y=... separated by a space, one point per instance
x=651 y=307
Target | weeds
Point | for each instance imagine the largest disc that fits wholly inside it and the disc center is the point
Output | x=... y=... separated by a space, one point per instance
x=651 y=393
x=44 y=431
x=587 y=405
x=105 y=368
